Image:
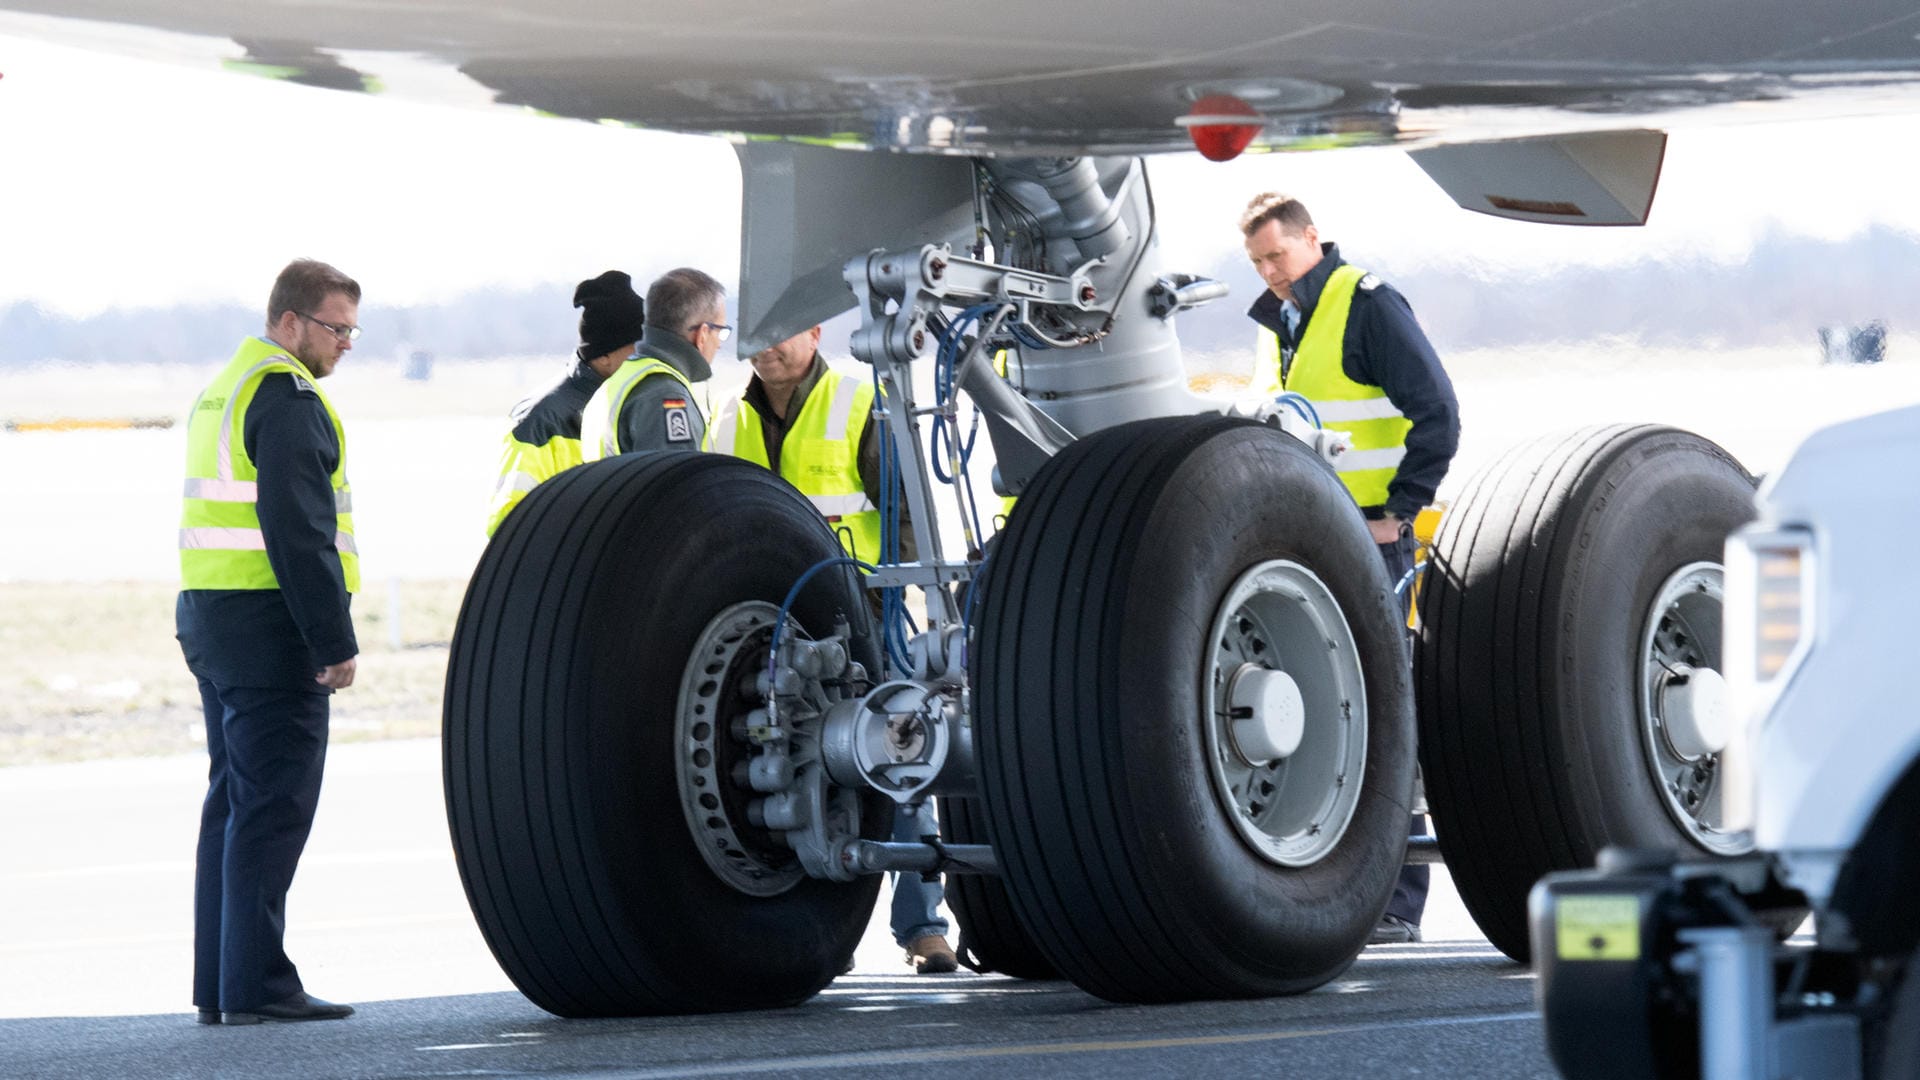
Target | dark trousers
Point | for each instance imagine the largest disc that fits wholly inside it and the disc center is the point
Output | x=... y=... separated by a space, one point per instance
x=1410 y=892
x=265 y=749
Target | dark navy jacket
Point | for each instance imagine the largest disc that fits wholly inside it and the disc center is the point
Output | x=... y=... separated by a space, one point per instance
x=556 y=412
x=1384 y=347
x=279 y=637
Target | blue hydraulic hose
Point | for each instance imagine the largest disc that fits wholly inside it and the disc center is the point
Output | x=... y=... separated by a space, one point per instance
x=1302 y=406
x=773 y=649
x=1406 y=580
x=892 y=606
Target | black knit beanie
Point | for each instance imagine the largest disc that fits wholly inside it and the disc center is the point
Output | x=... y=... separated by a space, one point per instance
x=611 y=314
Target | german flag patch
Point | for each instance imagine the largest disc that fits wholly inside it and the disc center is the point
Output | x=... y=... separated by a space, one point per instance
x=679 y=427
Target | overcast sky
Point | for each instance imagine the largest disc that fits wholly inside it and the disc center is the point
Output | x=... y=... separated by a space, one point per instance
x=127 y=184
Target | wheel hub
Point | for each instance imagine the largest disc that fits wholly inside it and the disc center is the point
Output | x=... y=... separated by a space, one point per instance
x=1693 y=702
x=1683 y=713
x=1269 y=718
x=1286 y=713
x=716 y=756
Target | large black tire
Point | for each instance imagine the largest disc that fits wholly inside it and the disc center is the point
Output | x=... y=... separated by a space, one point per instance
x=561 y=698
x=991 y=937
x=1528 y=666
x=1899 y=1049
x=1095 y=650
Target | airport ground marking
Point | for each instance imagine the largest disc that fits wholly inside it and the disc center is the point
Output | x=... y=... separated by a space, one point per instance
x=984 y=1053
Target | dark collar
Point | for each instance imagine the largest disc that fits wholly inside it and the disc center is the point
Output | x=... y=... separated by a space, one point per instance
x=1306 y=292
x=667 y=345
x=584 y=375
x=756 y=394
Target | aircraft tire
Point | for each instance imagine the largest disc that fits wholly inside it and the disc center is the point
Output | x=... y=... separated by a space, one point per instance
x=991 y=937
x=1141 y=876
x=1535 y=747
x=561 y=702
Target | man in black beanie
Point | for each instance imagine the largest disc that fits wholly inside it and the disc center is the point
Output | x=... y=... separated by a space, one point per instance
x=546 y=429
x=649 y=404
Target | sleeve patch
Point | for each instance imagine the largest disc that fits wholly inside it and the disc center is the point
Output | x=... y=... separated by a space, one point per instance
x=1370 y=282
x=673 y=403
x=301 y=385
x=679 y=428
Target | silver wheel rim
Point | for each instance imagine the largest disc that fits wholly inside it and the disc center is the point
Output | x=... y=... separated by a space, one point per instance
x=1683 y=629
x=1280 y=616
x=715 y=689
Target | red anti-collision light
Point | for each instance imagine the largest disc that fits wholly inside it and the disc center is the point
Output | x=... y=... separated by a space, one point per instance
x=1221 y=126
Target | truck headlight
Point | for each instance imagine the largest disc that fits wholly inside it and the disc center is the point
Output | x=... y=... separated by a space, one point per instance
x=1769 y=607
x=1767 y=618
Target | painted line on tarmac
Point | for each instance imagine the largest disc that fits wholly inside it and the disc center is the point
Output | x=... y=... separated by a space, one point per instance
x=985 y=1053
x=1415 y=953
x=185 y=866
x=385 y=922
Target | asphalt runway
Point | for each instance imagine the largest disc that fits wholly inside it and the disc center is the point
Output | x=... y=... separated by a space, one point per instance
x=96 y=881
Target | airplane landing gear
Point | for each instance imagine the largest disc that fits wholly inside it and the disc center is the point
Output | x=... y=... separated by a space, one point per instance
x=568 y=743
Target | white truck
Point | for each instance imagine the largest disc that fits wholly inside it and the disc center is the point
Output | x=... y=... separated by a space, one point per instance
x=1661 y=968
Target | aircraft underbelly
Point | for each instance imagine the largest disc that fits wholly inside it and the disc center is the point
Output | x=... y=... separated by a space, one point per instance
x=1072 y=76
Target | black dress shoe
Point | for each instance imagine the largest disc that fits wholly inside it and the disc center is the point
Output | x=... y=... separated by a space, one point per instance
x=209 y=1016
x=296 y=1008
x=1394 y=930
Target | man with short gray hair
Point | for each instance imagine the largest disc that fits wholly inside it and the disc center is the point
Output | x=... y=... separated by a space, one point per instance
x=648 y=403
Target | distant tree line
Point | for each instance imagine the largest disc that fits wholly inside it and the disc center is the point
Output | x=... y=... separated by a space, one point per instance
x=1783 y=294
x=482 y=324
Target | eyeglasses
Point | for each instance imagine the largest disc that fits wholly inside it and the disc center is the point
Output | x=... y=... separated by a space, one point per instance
x=344 y=333
x=722 y=329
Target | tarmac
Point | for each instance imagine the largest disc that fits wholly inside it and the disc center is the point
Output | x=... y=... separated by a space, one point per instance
x=96 y=885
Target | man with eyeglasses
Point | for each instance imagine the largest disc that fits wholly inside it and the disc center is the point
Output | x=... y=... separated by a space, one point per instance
x=545 y=439
x=268 y=568
x=648 y=404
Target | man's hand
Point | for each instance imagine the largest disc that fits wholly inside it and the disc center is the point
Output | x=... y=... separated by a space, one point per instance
x=1385 y=530
x=337 y=676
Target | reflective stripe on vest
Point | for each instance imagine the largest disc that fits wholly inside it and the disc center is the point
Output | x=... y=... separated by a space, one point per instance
x=820 y=455
x=210 y=539
x=1378 y=428
x=221 y=545
x=600 y=437
x=524 y=467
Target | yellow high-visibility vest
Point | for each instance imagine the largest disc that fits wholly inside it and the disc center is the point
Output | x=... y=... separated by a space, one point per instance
x=820 y=455
x=523 y=466
x=1378 y=427
x=1006 y=501
x=221 y=545
x=600 y=425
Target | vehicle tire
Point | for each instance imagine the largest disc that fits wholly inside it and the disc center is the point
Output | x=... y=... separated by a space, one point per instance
x=563 y=694
x=991 y=937
x=1566 y=583
x=1899 y=1052
x=1144 y=853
